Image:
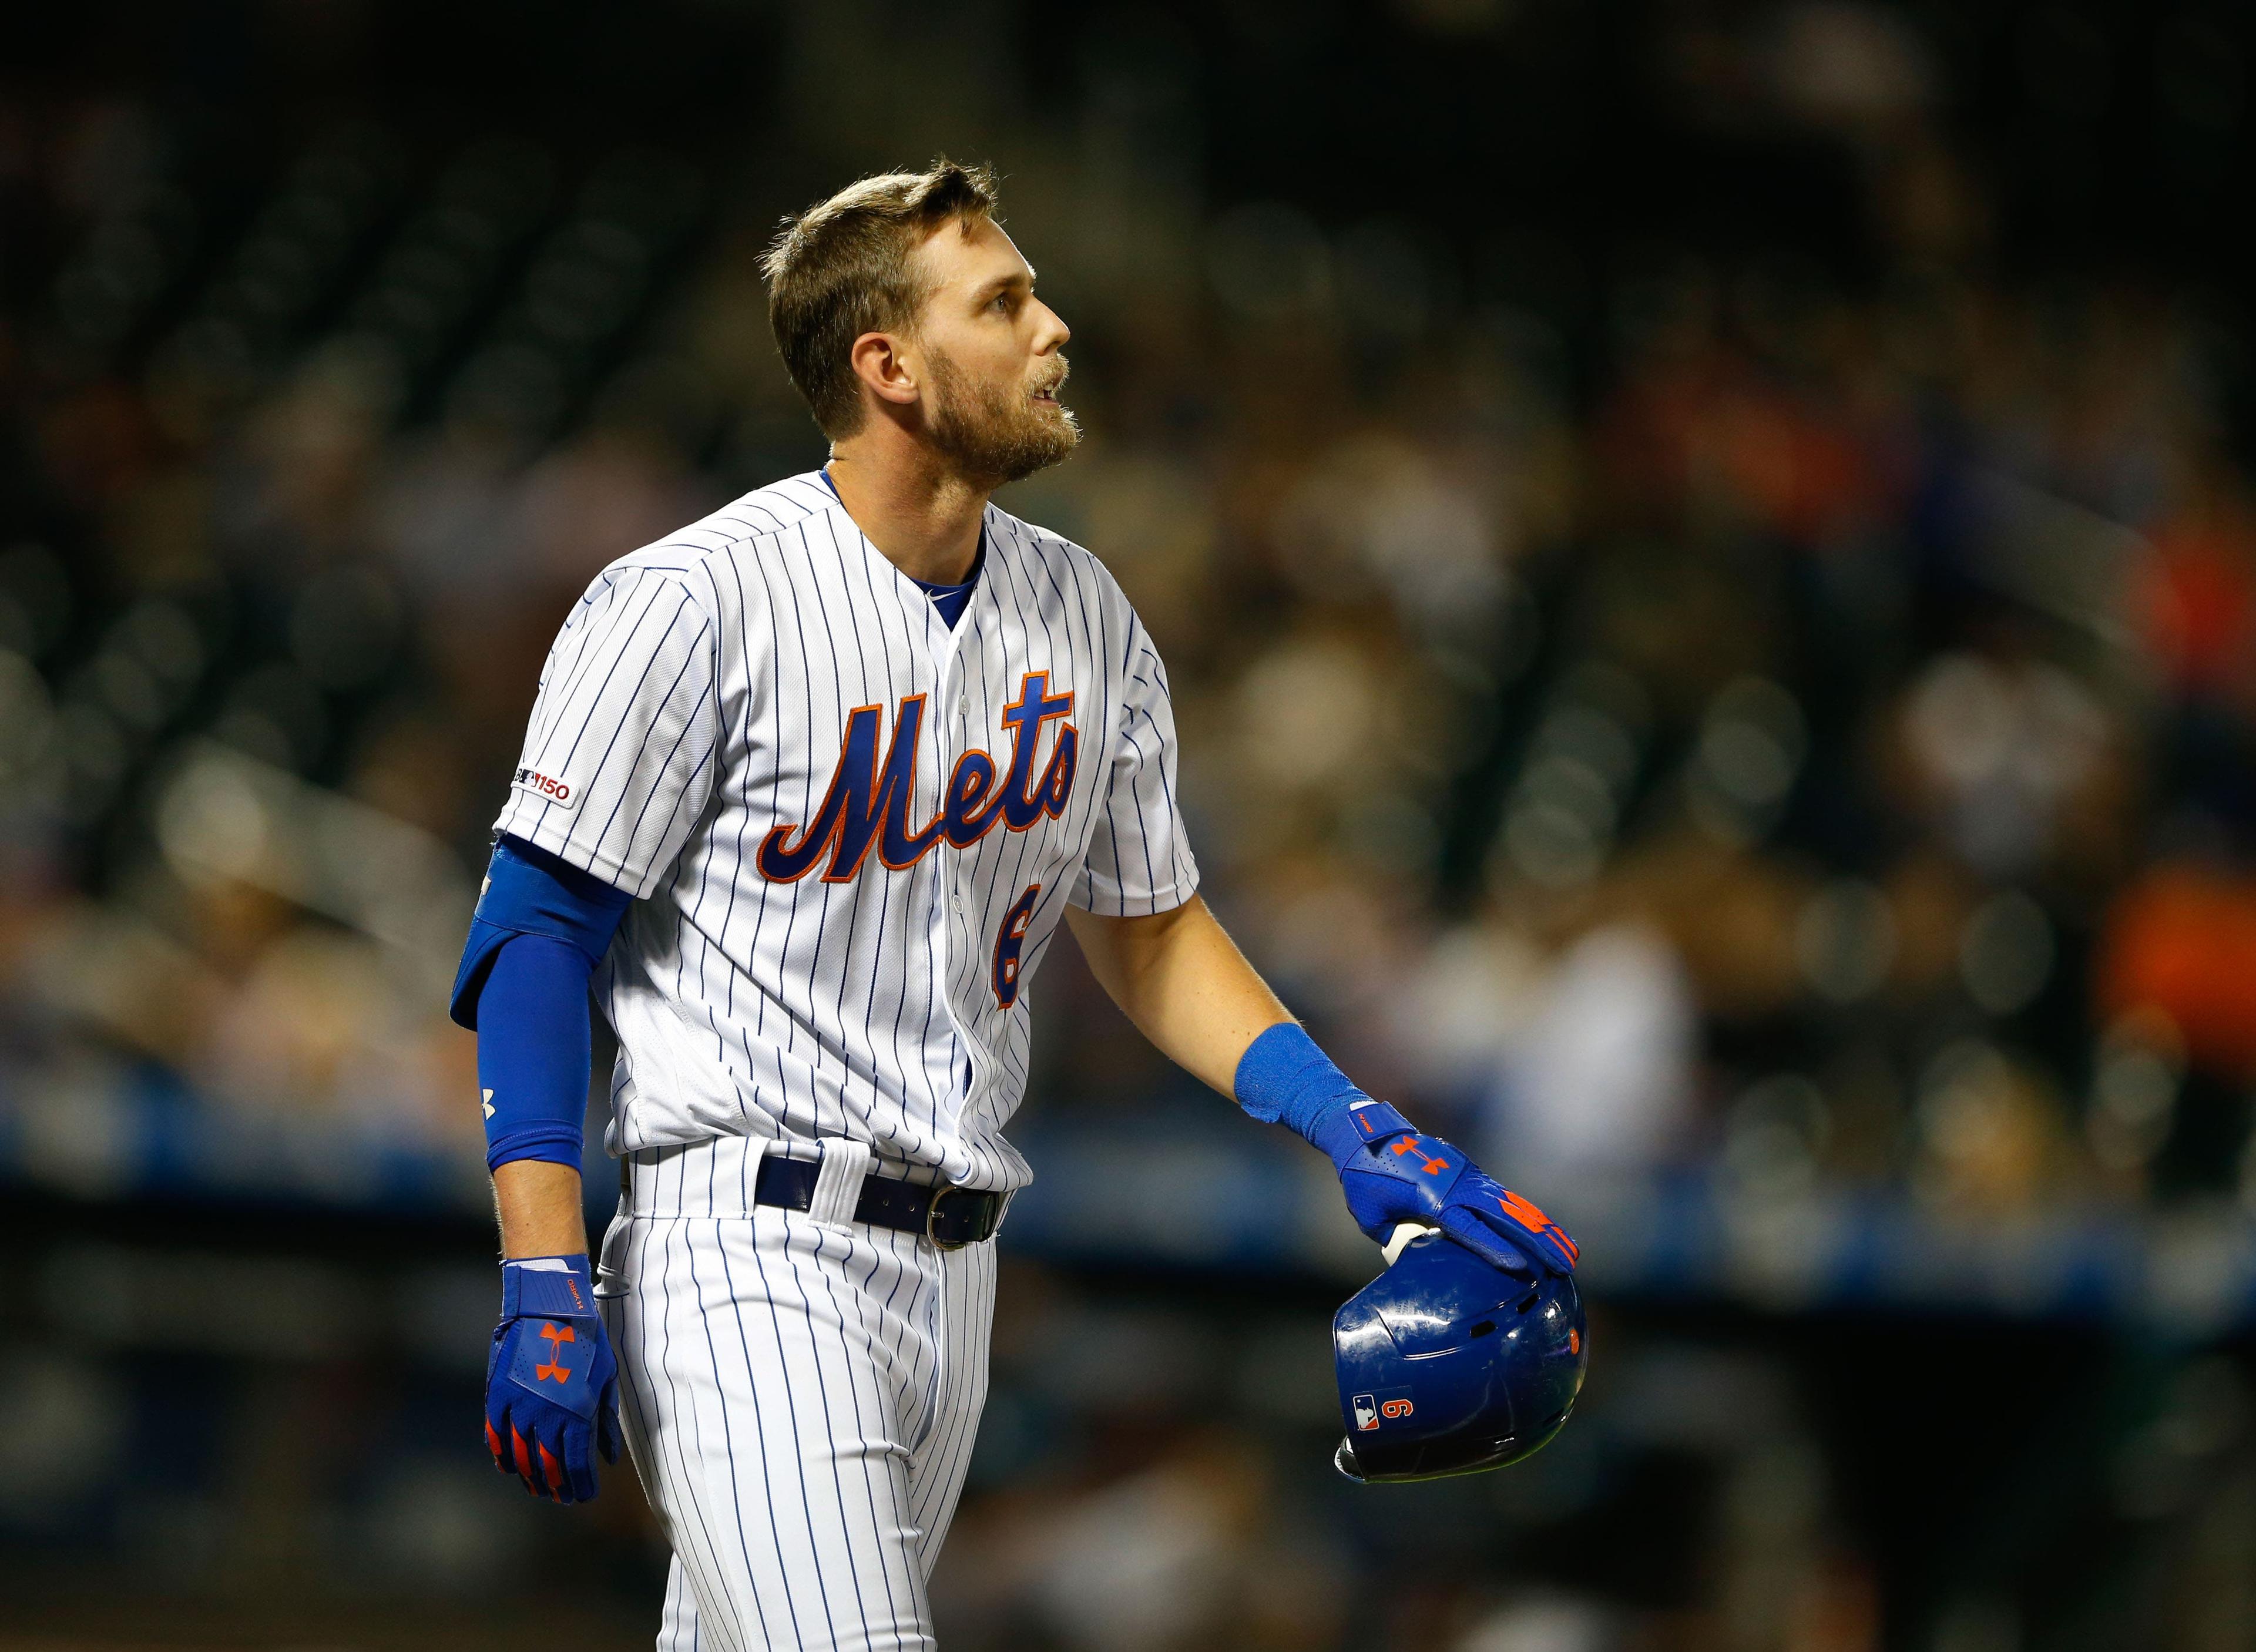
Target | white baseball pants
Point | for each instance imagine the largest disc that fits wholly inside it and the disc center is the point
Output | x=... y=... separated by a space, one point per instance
x=799 y=1394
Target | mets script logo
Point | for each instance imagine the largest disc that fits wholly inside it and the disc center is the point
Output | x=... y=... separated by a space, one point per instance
x=869 y=800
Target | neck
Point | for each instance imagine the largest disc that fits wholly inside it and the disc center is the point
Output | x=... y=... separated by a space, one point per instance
x=922 y=518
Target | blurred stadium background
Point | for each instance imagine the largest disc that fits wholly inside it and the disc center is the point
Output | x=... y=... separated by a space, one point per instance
x=1707 y=556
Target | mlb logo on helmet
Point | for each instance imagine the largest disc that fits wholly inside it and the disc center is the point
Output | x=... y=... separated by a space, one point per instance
x=1370 y=1408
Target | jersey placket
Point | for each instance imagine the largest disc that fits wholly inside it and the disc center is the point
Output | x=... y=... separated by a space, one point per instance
x=952 y=736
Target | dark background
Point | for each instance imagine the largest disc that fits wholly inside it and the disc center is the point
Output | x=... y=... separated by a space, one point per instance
x=1706 y=561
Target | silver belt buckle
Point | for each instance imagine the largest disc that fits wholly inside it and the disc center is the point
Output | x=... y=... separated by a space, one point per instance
x=932 y=1214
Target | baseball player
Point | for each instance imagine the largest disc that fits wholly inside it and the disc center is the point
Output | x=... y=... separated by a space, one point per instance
x=807 y=788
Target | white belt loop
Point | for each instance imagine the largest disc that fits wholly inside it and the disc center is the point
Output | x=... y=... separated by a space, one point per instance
x=838 y=1182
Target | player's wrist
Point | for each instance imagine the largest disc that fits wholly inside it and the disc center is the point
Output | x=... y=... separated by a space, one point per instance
x=554 y=1287
x=1285 y=1079
x=538 y=1204
x=1348 y=1132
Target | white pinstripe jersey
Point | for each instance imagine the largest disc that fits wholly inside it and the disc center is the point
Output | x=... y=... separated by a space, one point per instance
x=850 y=830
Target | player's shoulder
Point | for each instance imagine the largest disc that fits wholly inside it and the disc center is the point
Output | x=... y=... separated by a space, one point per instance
x=1072 y=572
x=776 y=511
x=688 y=556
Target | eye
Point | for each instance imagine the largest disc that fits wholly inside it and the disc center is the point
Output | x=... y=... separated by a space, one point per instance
x=1002 y=302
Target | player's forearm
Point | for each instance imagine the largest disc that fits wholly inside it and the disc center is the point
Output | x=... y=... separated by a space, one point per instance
x=540 y=926
x=532 y=1072
x=538 y=1206
x=1182 y=981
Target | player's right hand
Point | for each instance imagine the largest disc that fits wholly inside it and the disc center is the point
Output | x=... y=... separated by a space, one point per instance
x=1392 y=1173
x=552 y=1385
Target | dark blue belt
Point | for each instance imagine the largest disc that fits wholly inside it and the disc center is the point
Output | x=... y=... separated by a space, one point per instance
x=950 y=1216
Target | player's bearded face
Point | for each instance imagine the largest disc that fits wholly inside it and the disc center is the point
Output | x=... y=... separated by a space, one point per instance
x=996 y=432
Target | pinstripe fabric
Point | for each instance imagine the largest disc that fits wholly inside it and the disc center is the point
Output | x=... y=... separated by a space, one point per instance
x=800 y=1399
x=700 y=698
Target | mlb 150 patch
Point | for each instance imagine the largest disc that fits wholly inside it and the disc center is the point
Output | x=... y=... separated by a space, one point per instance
x=544 y=786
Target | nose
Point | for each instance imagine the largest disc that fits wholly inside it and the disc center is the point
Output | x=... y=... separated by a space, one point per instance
x=1052 y=334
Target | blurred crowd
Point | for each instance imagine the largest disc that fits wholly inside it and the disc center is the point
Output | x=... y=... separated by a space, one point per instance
x=1655 y=709
x=1694 y=707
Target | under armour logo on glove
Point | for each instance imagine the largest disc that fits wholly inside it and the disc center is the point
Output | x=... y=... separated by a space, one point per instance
x=1392 y=1173
x=557 y=1336
x=552 y=1385
x=1427 y=1163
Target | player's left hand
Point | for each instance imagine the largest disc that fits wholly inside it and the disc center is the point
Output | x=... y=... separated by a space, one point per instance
x=1392 y=1173
x=552 y=1385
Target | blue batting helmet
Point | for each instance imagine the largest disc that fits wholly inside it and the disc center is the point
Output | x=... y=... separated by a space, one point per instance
x=1447 y=1365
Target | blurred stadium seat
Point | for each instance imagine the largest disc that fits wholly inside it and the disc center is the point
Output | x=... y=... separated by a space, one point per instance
x=1708 y=563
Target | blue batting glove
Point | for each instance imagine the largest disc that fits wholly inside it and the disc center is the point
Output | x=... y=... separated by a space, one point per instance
x=552 y=1385
x=1392 y=1174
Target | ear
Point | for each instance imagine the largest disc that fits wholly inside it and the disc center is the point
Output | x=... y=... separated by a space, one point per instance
x=883 y=365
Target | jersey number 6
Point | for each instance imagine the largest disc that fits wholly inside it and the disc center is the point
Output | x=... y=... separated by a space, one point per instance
x=1011 y=940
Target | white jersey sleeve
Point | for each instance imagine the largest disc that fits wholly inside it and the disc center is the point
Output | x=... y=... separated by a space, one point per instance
x=618 y=757
x=1139 y=853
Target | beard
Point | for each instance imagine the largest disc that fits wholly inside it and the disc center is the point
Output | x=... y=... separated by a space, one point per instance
x=993 y=433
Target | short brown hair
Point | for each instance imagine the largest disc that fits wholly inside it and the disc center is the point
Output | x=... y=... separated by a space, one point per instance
x=842 y=268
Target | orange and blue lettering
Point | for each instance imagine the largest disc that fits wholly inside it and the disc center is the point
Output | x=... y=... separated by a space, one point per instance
x=869 y=800
x=1026 y=801
x=1010 y=942
x=961 y=817
x=865 y=803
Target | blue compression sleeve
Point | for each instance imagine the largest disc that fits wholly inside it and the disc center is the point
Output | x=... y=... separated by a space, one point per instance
x=534 y=1051
x=529 y=891
x=541 y=927
x=1283 y=1078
